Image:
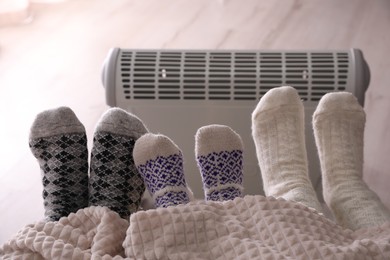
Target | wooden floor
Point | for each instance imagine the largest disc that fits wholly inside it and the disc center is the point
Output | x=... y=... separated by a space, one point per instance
x=56 y=58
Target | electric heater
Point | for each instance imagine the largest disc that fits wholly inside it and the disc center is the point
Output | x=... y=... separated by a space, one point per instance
x=177 y=91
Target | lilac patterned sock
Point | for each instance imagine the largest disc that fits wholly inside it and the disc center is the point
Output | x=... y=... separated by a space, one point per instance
x=219 y=156
x=160 y=163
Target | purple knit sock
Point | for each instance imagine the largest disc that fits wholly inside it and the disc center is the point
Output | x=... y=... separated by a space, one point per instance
x=160 y=163
x=220 y=161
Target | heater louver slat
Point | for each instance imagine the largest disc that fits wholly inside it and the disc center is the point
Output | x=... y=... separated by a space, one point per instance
x=297 y=72
x=230 y=75
x=322 y=82
x=219 y=75
x=194 y=69
x=245 y=76
x=268 y=80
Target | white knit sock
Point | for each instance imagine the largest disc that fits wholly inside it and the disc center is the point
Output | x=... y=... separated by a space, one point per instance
x=278 y=132
x=218 y=151
x=339 y=129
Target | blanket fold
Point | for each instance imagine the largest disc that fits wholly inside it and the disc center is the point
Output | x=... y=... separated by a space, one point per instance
x=93 y=231
x=253 y=227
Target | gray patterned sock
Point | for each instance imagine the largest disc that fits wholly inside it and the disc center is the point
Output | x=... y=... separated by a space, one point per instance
x=114 y=179
x=58 y=141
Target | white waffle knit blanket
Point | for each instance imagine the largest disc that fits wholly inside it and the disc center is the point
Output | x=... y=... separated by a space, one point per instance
x=253 y=227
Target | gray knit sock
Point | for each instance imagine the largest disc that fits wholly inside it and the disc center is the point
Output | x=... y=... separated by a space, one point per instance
x=114 y=179
x=59 y=142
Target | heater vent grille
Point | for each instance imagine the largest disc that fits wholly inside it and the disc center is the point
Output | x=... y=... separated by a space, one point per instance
x=230 y=75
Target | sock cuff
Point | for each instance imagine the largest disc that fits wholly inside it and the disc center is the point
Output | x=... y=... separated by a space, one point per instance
x=118 y=121
x=216 y=138
x=222 y=187
x=61 y=120
x=150 y=146
x=167 y=189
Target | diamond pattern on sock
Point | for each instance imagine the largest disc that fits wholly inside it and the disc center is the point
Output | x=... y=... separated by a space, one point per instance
x=165 y=172
x=114 y=181
x=221 y=168
x=64 y=163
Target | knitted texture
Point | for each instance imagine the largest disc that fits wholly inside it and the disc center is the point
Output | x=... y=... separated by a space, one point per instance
x=115 y=182
x=339 y=132
x=114 y=179
x=278 y=133
x=219 y=156
x=164 y=179
x=160 y=163
x=228 y=193
x=59 y=142
x=253 y=227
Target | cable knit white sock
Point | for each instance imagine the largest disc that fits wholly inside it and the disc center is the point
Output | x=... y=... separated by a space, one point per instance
x=278 y=132
x=339 y=129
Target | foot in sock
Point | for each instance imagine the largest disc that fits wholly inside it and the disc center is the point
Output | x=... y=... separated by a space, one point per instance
x=58 y=141
x=278 y=133
x=219 y=152
x=114 y=179
x=338 y=124
x=160 y=162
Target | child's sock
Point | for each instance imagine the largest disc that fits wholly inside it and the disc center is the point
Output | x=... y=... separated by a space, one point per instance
x=339 y=131
x=114 y=179
x=160 y=163
x=278 y=132
x=59 y=142
x=218 y=151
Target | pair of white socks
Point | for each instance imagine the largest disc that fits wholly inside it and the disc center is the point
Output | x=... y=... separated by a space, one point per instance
x=338 y=122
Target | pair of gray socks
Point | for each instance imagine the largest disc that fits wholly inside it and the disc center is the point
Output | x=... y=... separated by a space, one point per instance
x=58 y=140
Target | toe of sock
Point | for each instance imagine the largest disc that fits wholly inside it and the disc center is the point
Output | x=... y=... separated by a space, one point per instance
x=118 y=121
x=277 y=97
x=55 y=121
x=216 y=138
x=150 y=146
x=338 y=101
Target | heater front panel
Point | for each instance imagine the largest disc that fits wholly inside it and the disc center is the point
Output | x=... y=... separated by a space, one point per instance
x=177 y=91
